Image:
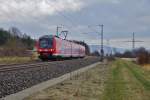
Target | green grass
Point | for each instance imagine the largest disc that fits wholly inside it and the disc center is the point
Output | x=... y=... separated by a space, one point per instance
x=115 y=88
x=120 y=80
x=127 y=81
x=139 y=74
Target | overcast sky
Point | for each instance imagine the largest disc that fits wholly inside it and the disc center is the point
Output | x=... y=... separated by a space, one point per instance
x=120 y=18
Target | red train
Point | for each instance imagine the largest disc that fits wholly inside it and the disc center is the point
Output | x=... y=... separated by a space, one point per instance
x=50 y=47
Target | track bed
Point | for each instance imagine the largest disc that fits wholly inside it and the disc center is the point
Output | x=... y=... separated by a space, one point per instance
x=20 y=79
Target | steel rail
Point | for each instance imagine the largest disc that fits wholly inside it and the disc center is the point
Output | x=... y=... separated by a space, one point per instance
x=6 y=68
x=12 y=67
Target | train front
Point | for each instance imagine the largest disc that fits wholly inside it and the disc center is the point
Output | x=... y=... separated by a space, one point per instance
x=45 y=47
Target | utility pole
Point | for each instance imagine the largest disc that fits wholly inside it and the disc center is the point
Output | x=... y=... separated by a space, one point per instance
x=134 y=41
x=102 y=43
x=102 y=38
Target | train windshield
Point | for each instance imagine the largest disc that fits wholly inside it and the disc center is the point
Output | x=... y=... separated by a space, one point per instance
x=46 y=43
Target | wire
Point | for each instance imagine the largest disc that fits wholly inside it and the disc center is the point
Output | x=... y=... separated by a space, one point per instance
x=69 y=19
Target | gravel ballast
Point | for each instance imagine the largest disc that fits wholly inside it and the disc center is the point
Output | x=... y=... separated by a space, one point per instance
x=14 y=81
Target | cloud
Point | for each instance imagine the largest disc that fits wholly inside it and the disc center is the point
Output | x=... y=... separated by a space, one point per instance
x=40 y=17
x=19 y=9
x=110 y=1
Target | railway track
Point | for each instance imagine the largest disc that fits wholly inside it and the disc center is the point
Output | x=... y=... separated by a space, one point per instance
x=14 y=78
x=11 y=67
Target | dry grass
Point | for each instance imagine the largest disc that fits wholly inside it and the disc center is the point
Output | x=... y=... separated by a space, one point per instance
x=14 y=60
x=18 y=60
x=124 y=80
x=147 y=67
x=87 y=86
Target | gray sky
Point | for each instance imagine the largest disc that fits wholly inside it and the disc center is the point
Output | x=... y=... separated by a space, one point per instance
x=120 y=19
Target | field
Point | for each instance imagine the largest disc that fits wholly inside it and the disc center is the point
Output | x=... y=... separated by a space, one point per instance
x=147 y=67
x=18 y=60
x=119 y=80
x=87 y=86
x=14 y=60
x=128 y=81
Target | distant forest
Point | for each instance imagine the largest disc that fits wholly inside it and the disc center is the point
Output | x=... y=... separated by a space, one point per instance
x=142 y=55
x=15 y=34
x=14 y=43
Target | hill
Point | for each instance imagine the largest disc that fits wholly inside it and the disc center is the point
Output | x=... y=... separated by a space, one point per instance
x=107 y=49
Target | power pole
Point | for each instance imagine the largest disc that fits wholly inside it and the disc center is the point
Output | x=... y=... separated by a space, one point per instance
x=102 y=38
x=102 y=43
x=134 y=41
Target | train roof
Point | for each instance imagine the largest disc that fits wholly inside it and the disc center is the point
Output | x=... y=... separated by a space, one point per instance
x=47 y=36
x=51 y=36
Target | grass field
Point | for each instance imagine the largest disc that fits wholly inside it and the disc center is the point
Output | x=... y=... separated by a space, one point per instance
x=120 y=80
x=86 y=86
x=14 y=60
x=127 y=81
x=18 y=60
x=147 y=67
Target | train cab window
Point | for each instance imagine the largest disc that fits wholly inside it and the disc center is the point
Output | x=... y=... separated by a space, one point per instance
x=46 y=43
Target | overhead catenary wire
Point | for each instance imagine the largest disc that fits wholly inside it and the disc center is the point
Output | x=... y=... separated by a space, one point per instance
x=69 y=19
x=66 y=17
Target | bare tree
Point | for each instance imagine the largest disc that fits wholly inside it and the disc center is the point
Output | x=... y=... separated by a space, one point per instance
x=15 y=32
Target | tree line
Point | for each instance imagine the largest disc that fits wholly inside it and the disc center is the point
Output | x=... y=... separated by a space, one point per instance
x=142 y=55
x=14 y=43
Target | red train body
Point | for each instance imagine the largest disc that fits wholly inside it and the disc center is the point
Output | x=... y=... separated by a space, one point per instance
x=49 y=47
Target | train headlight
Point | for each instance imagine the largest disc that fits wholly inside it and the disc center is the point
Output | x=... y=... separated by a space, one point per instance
x=40 y=50
x=51 y=50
